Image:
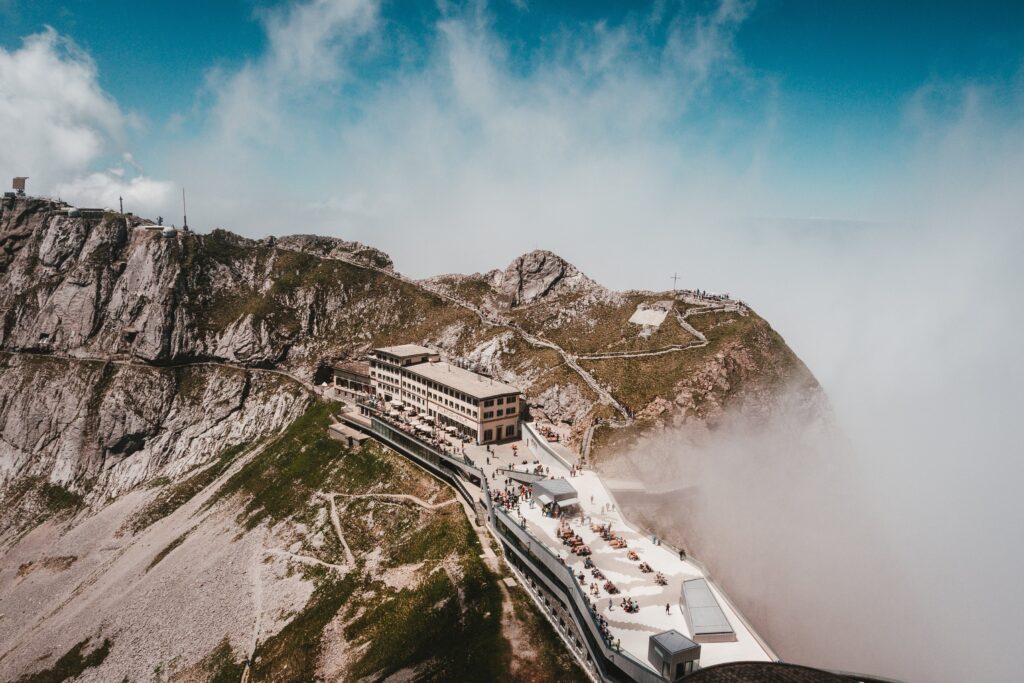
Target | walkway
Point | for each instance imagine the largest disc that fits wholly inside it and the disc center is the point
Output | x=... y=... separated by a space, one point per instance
x=633 y=630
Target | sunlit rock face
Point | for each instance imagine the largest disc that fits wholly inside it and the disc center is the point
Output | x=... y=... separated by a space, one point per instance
x=537 y=275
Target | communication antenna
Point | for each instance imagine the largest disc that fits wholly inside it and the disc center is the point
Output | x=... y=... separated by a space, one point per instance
x=184 y=212
x=675 y=278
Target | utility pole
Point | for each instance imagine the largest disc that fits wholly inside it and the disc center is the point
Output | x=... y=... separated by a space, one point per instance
x=675 y=278
x=184 y=212
x=120 y=200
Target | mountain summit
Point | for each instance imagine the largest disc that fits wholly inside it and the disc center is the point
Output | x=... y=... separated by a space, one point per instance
x=166 y=474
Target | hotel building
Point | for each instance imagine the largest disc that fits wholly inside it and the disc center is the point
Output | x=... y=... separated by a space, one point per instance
x=481 y=408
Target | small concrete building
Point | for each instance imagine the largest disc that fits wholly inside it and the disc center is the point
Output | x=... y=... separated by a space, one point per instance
x=555 y=492
x=352 y=376
x=704 y=615
x=345 y=434
x=673 y=655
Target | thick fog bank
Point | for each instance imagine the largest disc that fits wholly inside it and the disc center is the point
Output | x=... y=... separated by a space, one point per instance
x=889 y=543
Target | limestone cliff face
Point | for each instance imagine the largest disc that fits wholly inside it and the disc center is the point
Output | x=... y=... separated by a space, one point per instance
x=100 y=428
x=114 y=287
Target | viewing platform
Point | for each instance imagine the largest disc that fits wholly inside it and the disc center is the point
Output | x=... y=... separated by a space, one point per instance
x=590 y=612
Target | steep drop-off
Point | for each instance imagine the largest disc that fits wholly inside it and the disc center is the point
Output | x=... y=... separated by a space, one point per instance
x=165 y=476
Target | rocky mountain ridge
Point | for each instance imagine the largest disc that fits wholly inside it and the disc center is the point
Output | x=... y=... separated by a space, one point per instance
x=162 y=443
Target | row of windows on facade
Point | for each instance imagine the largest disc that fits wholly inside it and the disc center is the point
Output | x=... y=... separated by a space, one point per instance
x=414 y=388
x=440 y=388
x=510 y=430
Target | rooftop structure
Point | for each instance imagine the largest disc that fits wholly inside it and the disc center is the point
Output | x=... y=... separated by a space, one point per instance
x=557 y=491
x=673 y=655
x=406 y=351
x=352 y=376
x=704 y=615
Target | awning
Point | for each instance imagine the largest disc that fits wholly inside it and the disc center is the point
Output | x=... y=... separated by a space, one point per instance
x=544 y=499
x=568 y=502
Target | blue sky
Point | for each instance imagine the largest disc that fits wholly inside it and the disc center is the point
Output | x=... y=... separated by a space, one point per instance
x=817 y=110
x=844 y=70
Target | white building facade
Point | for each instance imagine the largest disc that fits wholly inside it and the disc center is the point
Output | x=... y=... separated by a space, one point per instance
x=479 y=407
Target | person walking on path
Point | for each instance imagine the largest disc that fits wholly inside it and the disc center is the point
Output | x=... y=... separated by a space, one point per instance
x=668 y=608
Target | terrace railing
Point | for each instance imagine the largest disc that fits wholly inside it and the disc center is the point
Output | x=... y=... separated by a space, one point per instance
x=555 y=569
x=552 y=570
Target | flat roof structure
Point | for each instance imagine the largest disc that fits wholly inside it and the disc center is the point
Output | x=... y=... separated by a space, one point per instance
x=558 y=491
x=672 y=654
x=672 y=642
x=406 y=350
x=704 y=615
x=454 y=377
x=354 y=367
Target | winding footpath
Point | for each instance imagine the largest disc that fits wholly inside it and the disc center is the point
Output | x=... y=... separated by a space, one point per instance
x=492 y=320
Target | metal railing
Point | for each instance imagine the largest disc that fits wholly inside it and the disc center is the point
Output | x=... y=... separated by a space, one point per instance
x=613 y=665
x=556 y=569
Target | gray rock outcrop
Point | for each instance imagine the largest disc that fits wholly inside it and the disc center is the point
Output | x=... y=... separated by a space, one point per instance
x=540 y=274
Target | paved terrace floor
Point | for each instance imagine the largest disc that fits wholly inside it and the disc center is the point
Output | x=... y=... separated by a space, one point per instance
x=633 y=630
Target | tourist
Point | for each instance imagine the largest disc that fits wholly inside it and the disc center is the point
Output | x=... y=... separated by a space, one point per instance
x=668 y=608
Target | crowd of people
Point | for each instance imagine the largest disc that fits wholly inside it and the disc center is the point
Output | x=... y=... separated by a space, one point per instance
x=511 y=496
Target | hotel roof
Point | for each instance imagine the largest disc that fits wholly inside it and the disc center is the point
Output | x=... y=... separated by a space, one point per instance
x=406 y=350
x=465 y=381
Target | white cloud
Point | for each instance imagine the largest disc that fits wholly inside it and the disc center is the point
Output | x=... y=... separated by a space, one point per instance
x=54 y=117
x=309 y=46
x=141 y=194
x=56 y=123
x=466 y=141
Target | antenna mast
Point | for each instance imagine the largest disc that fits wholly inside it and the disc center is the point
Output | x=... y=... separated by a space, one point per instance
x=675 y=278
x=184 y=211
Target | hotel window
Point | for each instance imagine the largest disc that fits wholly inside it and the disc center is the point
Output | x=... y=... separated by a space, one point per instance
x=489 y=414
x=501 y=400
x=510 y=410
x=488 y=404
x=510 y=430
x=487 y=434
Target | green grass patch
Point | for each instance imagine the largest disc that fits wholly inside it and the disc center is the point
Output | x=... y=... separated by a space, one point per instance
x=59 y=499
x=72 y=664
x=295 y=464
x=552 y=657
x=601 y=326
x=290 y=655
x=222 y=666
x=403 y=631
